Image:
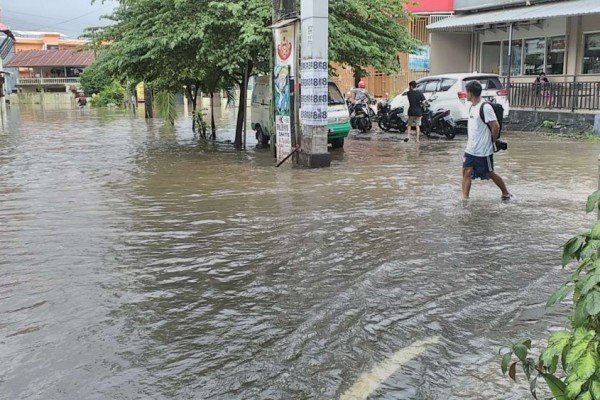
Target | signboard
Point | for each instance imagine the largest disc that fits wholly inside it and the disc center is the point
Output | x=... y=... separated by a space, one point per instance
x=428 y=6
x=420 y=61
x=285 y=59
x=315 y=93
x=285 y=47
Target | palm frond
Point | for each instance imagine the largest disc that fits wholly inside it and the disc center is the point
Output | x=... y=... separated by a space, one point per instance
x=166 y=106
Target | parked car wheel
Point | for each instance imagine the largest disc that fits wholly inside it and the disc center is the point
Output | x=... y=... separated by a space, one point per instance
x=337 y=143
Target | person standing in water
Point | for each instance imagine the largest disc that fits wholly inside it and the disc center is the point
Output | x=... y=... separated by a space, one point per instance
x=478 y=160
x=415 y=110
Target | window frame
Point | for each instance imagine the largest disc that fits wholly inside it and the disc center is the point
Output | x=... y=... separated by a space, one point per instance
x=437 y=80
x=504 y=42
x=583 y=52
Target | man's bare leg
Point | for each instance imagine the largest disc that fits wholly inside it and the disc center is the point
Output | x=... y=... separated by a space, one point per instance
x=418 y=128
x=499 y=182
x=466 y=182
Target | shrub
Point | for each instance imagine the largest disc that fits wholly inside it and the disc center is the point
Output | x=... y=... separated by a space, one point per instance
x=111 y=96
x=574 y=350
x=94 y=79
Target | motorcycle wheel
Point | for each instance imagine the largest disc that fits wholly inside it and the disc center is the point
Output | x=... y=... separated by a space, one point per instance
x=369 y=125
x=384 y=124
x=353 y=123
x=449 y=132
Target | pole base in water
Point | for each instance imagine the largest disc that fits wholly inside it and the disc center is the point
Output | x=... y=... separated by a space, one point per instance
x=308 y=160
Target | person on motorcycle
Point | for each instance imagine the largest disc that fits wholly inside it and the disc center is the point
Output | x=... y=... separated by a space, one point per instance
x=415 y=110
x=360 y=95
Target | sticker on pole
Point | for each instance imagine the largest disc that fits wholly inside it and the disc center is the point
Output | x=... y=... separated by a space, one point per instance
x=315 y=94
x=283 y=124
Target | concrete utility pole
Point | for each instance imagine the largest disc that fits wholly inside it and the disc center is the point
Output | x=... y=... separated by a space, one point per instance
x=314 y=83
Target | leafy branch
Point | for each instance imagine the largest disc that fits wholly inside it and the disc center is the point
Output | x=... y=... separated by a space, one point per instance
x=570 y=364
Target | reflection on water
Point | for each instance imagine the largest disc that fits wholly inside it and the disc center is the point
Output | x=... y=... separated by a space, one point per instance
x=139 y=262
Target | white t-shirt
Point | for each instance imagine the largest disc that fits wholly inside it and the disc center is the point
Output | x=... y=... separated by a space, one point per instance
x=480 y=137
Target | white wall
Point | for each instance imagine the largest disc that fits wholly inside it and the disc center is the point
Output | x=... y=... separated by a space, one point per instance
x=450 y=52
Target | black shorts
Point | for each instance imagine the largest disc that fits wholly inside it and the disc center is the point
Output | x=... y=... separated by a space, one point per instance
x=482 y=166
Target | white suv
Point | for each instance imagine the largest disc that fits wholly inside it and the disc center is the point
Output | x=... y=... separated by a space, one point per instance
x=449 y=92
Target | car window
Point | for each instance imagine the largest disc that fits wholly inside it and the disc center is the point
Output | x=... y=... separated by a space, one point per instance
x=256 y=93
x=487 y=82
x=432 y=86
x=447 y=83
x=421 y=86
x=335 y=96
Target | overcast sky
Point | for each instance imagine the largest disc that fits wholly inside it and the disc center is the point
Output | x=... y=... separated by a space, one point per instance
x=70 y=17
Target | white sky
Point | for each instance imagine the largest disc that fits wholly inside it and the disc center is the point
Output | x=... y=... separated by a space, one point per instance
x=70 y=17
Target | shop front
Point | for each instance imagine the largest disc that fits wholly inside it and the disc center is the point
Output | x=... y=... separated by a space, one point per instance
x=560 y=39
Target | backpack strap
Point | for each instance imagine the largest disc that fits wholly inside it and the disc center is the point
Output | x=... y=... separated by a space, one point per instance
x=482 y=115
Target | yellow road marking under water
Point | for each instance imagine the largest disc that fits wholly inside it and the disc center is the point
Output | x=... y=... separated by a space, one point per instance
x=368 y=382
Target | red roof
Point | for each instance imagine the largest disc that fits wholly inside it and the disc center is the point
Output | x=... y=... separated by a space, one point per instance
x=51 y=58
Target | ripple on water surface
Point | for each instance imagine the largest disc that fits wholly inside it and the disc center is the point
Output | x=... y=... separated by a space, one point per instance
x=138 y=262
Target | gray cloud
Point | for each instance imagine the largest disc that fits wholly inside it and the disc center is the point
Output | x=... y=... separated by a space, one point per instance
x=70 y=17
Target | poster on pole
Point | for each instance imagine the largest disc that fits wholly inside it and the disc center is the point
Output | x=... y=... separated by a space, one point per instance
x=285 y=59
x=315 y=92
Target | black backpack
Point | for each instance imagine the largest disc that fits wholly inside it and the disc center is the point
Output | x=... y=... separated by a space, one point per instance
x=498 y=110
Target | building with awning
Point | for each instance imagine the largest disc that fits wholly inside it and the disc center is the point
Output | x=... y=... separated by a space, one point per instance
x=559 y=38
x=521 y=39
x=51 y=70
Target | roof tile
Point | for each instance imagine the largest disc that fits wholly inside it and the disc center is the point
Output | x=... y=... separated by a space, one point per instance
x=51 y=58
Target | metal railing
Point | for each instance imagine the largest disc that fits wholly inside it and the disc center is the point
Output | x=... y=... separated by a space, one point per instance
x=48 y=81
x=556 y=95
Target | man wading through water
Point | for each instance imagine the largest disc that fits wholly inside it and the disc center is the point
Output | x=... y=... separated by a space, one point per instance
x=479 y=154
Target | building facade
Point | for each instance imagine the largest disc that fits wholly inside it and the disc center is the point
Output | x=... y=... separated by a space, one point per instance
x=412 y=67
x=518 y=40
x=46 y=61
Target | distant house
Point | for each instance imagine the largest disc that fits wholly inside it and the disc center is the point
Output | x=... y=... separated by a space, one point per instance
x=46 y=61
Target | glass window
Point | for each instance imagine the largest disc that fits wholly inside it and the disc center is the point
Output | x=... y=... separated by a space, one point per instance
x=591 y=54
x=555 y=60
x=335 y=96
x=487 y=83
x=534 y=56
x=517 y=57
x=421 y=85
x=447 y=83
x=490 y=58
x=432 y=86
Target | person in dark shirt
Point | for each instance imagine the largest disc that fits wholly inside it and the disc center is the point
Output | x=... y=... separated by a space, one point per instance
x=415 y=110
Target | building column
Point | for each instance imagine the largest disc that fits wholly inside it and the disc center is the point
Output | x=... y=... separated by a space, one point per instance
x=314 y=79
x=574 y=40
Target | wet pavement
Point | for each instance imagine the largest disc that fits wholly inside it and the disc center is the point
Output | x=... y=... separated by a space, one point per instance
x=138 y=262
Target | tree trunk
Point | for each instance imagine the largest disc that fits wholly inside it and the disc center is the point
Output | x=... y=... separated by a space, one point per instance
x=239 y=129
x=148 y=103
x=357 y=78
x=213 y=126
x=193 y=95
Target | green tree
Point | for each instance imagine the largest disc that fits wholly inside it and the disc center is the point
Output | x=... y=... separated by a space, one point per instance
x=209 y=45
x=94 y=79
x=369 y=33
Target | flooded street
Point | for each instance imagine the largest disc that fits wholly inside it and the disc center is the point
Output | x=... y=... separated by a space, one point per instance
x=138 y=262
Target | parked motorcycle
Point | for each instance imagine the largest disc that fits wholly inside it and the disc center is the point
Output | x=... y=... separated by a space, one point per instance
x=360 y=117
x=392 y=119
x=439 y=122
